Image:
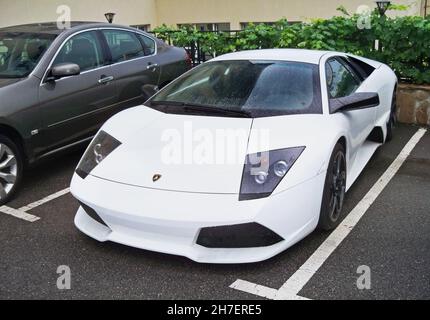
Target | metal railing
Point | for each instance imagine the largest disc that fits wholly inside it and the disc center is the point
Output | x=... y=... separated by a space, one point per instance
x=194 y=48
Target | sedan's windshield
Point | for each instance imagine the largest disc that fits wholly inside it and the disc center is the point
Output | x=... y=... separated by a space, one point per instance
x=20 y=52
x=257 y=88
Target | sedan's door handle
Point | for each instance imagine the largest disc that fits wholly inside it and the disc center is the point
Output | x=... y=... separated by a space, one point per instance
x=152 y=66
x=104 y=80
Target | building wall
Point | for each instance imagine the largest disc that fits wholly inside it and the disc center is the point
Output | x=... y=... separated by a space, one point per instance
x=237 y=11
x=129 y=12
x=174 y=12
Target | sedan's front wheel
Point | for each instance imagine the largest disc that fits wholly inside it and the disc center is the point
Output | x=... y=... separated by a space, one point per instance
x=11 y=167
x=334 y=190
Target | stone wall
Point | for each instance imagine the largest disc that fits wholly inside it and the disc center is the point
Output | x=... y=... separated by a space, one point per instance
x=413 y=103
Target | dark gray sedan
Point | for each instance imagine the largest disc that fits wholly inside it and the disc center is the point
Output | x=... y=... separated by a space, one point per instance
x=58 y=86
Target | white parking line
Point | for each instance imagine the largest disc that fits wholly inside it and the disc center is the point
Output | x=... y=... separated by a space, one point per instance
x=22 y=213
x=262 y=291
x=255 y=289
x=45 y=200
x=19 y=214
x=301 y=277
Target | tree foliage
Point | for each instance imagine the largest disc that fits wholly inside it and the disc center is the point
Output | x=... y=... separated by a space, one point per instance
x=404 y=42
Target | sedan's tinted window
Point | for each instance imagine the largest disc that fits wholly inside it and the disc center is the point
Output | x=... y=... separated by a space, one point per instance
x=261 y=88
x=123 y=45
x=340 y=81
x=84 y=50
x=149 y=45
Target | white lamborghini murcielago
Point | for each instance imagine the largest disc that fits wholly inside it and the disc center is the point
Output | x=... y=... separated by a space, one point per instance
x=238 y=159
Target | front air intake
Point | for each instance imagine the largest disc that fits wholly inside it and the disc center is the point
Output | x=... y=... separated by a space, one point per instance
x=250 y=235
x=92 y=213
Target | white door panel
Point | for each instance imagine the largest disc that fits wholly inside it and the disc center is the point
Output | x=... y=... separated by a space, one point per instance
x=342 y=82
x=377 y=82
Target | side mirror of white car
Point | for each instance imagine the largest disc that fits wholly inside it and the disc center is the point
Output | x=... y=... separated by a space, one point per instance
x=356 y=101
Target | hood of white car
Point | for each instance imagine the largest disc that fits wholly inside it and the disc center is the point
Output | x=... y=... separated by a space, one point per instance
x=170 y=147
x=186 y=153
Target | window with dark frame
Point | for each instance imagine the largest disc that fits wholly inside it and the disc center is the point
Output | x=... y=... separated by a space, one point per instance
x=341 y=81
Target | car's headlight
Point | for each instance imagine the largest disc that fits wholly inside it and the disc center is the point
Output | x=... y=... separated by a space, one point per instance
x=102 y=145
x=264 y=171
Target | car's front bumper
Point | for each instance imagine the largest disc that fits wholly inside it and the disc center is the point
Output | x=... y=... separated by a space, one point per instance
x=170 y=222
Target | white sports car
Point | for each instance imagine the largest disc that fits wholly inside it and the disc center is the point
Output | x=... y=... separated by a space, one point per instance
x=238 y=159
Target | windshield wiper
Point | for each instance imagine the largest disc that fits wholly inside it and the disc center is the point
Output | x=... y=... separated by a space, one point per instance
x=218 y=110
x=167 y=103
x=203 y=108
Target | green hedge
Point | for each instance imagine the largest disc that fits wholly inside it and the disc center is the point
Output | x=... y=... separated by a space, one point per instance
x=404 y=41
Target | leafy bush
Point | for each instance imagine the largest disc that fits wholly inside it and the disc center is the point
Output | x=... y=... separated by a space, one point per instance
x=404 y=41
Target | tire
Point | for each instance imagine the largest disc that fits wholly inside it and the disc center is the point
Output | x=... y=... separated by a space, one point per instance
x=11 y=169
x=393 y=118
x=334 y=190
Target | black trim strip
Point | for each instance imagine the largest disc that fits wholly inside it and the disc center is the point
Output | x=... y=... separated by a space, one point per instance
x=248 y=235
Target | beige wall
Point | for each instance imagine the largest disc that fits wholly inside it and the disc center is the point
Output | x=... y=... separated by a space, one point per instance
x=173 y=12
x=237 y=11
x=14 y=12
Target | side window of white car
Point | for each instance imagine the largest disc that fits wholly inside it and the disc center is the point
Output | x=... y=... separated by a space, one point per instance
x=341 y=82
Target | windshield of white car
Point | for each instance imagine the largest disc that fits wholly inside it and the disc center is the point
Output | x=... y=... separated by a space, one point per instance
x=20 y=52
x=253 y=88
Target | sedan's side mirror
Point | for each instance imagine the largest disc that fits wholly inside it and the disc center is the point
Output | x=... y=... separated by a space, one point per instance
x=356 y=101
x=63 y=70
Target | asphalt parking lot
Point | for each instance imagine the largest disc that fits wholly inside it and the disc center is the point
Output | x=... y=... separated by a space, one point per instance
x=392 y=239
